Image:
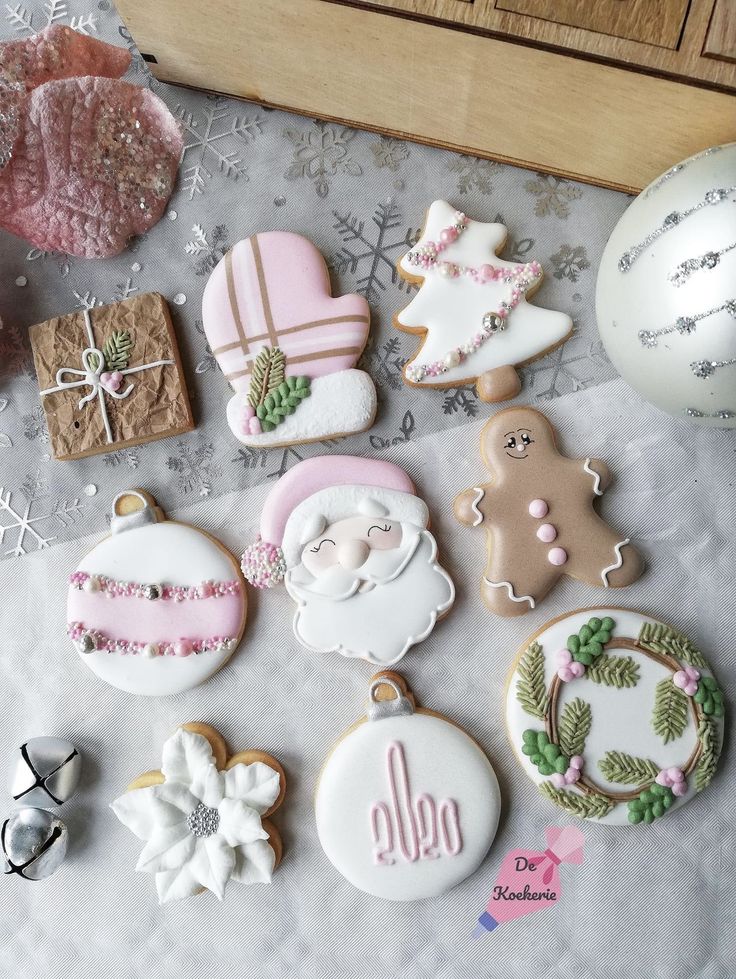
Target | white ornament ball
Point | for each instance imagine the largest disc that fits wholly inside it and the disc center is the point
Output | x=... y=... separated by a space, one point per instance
x=666 y=293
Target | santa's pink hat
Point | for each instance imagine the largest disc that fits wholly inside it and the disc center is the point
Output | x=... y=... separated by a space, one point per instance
x=318 y=492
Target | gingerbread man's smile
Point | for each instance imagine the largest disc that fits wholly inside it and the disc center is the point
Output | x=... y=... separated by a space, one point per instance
x=517 y=443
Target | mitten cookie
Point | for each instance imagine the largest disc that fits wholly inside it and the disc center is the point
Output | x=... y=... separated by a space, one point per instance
x=615 y=715
x=407 y=803
x=349 y=537
x=539 y=517
x=471 y=308
x=203 y=815
x=287 y=347
x=157 y=607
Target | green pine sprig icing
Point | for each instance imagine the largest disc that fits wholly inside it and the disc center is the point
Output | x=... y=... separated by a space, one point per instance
x=116 y=350
x=589 y=806
x=617 y=766
x=651 y=803
x=709 y=752
x=709 y=696
x=530 y=689
x=588 y=643
x=282 y=402
x=266 y=375
x=614 y=671
x=669 y=717
x=663 y=639
x=574 y=727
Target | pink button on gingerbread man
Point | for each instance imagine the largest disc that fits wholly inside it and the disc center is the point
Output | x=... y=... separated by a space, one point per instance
x=539 y=498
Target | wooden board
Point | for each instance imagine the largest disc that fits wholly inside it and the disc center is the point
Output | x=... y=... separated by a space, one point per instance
x=492 y=98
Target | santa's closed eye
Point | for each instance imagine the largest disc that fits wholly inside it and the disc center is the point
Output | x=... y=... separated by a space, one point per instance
x=385 y=529
x=326 y=540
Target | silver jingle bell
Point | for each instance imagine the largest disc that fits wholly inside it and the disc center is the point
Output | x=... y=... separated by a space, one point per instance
x=46 y=772
x=34 y=843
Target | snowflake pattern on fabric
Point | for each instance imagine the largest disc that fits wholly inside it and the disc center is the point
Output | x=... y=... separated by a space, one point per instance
x=5 y=440
x=21 y=520
x=54 y=12
x=369 y=249
x=569 y=262
x=389 y=152
x=385 y=362
x=207 y=248
x=461 y=400
x=566 y=369
x=195 y=467
x=472 y=174
x=553 y=195
x=406 y=430
x=215 y=138
x=321 y=152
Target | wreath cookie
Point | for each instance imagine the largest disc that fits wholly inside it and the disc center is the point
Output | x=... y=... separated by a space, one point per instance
x=616 y=716
x=202 y=816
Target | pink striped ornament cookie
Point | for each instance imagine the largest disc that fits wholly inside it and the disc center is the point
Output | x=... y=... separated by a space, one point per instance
x=287 y=347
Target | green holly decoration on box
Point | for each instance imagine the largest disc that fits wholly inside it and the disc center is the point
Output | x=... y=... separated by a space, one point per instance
x=588 y=643
x=651 y=803
x=709 y=697
x=543 y=753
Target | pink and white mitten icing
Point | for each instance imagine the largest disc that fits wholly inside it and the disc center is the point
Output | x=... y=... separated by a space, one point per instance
x=157 y=607
x=85 y=161
x=287 y=347
x=349 y=537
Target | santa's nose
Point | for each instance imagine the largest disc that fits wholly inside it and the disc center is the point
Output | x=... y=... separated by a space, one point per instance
x=353 y=553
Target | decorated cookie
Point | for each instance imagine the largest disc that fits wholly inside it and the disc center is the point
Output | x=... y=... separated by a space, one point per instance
x=349 y=538
x=287 y=347
x=615 y=715
x=539 y=517
x=472 y=309
x=407 y=803
x=111 y=377
x=158 y=606
x=202 y=816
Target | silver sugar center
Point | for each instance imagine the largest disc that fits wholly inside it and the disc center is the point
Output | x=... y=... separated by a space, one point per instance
x=203 y=821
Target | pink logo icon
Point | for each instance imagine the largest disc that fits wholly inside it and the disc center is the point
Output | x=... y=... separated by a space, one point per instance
x=529 y=880
x=421 y=828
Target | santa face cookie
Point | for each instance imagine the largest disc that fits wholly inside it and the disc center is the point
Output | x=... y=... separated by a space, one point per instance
x=471 y=308
x=157 y=607
x=539 y=517
x=202 y=816
x=615 y=715
x=287 y=347
x=349 y=538
x=407 y=804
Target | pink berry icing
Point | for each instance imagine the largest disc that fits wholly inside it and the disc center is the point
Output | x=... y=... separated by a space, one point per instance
x=687 y=680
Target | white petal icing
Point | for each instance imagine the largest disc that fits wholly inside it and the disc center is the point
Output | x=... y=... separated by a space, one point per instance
x=239 y=823
x=212 y=864
x=257 y=785
x=183 y=754
x=177 y=795
x=208 y=785
x=168 y=849
x=254 y=863
x=172 y=885
x=142 y=811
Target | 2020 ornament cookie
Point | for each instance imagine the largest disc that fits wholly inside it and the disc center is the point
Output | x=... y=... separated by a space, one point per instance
x=615 y=715
x=349 y=538
x=539 y=517
x=203 y=816
x=287 y=347
x=407 y=803
x=158 y=606
x=472 y=309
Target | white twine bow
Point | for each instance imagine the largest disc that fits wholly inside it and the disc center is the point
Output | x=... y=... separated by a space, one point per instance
x=93 y=362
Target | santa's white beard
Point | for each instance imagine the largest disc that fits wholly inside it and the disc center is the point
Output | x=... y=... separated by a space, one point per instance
x=378 y=624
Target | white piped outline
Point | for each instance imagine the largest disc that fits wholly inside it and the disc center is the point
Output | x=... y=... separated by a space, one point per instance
x=474 y=505
x=597 y=476
x=510 y=588
x=605 y=572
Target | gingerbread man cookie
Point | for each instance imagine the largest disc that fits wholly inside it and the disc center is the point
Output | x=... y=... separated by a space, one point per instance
x=539 y=516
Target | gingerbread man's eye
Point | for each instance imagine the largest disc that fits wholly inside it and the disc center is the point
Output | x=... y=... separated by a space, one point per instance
x=526 y=439
x=511 y=442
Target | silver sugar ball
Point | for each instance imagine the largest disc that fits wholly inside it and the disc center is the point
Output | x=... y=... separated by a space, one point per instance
x=34 y=843
x=493 y=323
x=46 y=772
x=152 y=592
x=87 y=643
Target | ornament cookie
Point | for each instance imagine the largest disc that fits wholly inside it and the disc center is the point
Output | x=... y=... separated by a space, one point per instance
x=349 y=538
x=203 y=816
x=615 y=715
x=158 y=606
x=287 y=347
x=539 y=517
x=407 y=803
x=665 y=296
x=472 y=309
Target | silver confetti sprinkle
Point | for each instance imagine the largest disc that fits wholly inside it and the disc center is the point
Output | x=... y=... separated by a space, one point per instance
x=179 y=299
x=203 y=821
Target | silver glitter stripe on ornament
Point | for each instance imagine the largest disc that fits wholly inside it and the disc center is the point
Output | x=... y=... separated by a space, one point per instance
x=704 y=368
x=664 y=178
x=203 y=821
x=690 y=266
x=673 y=220
x=684 y=325
x=723 y=414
